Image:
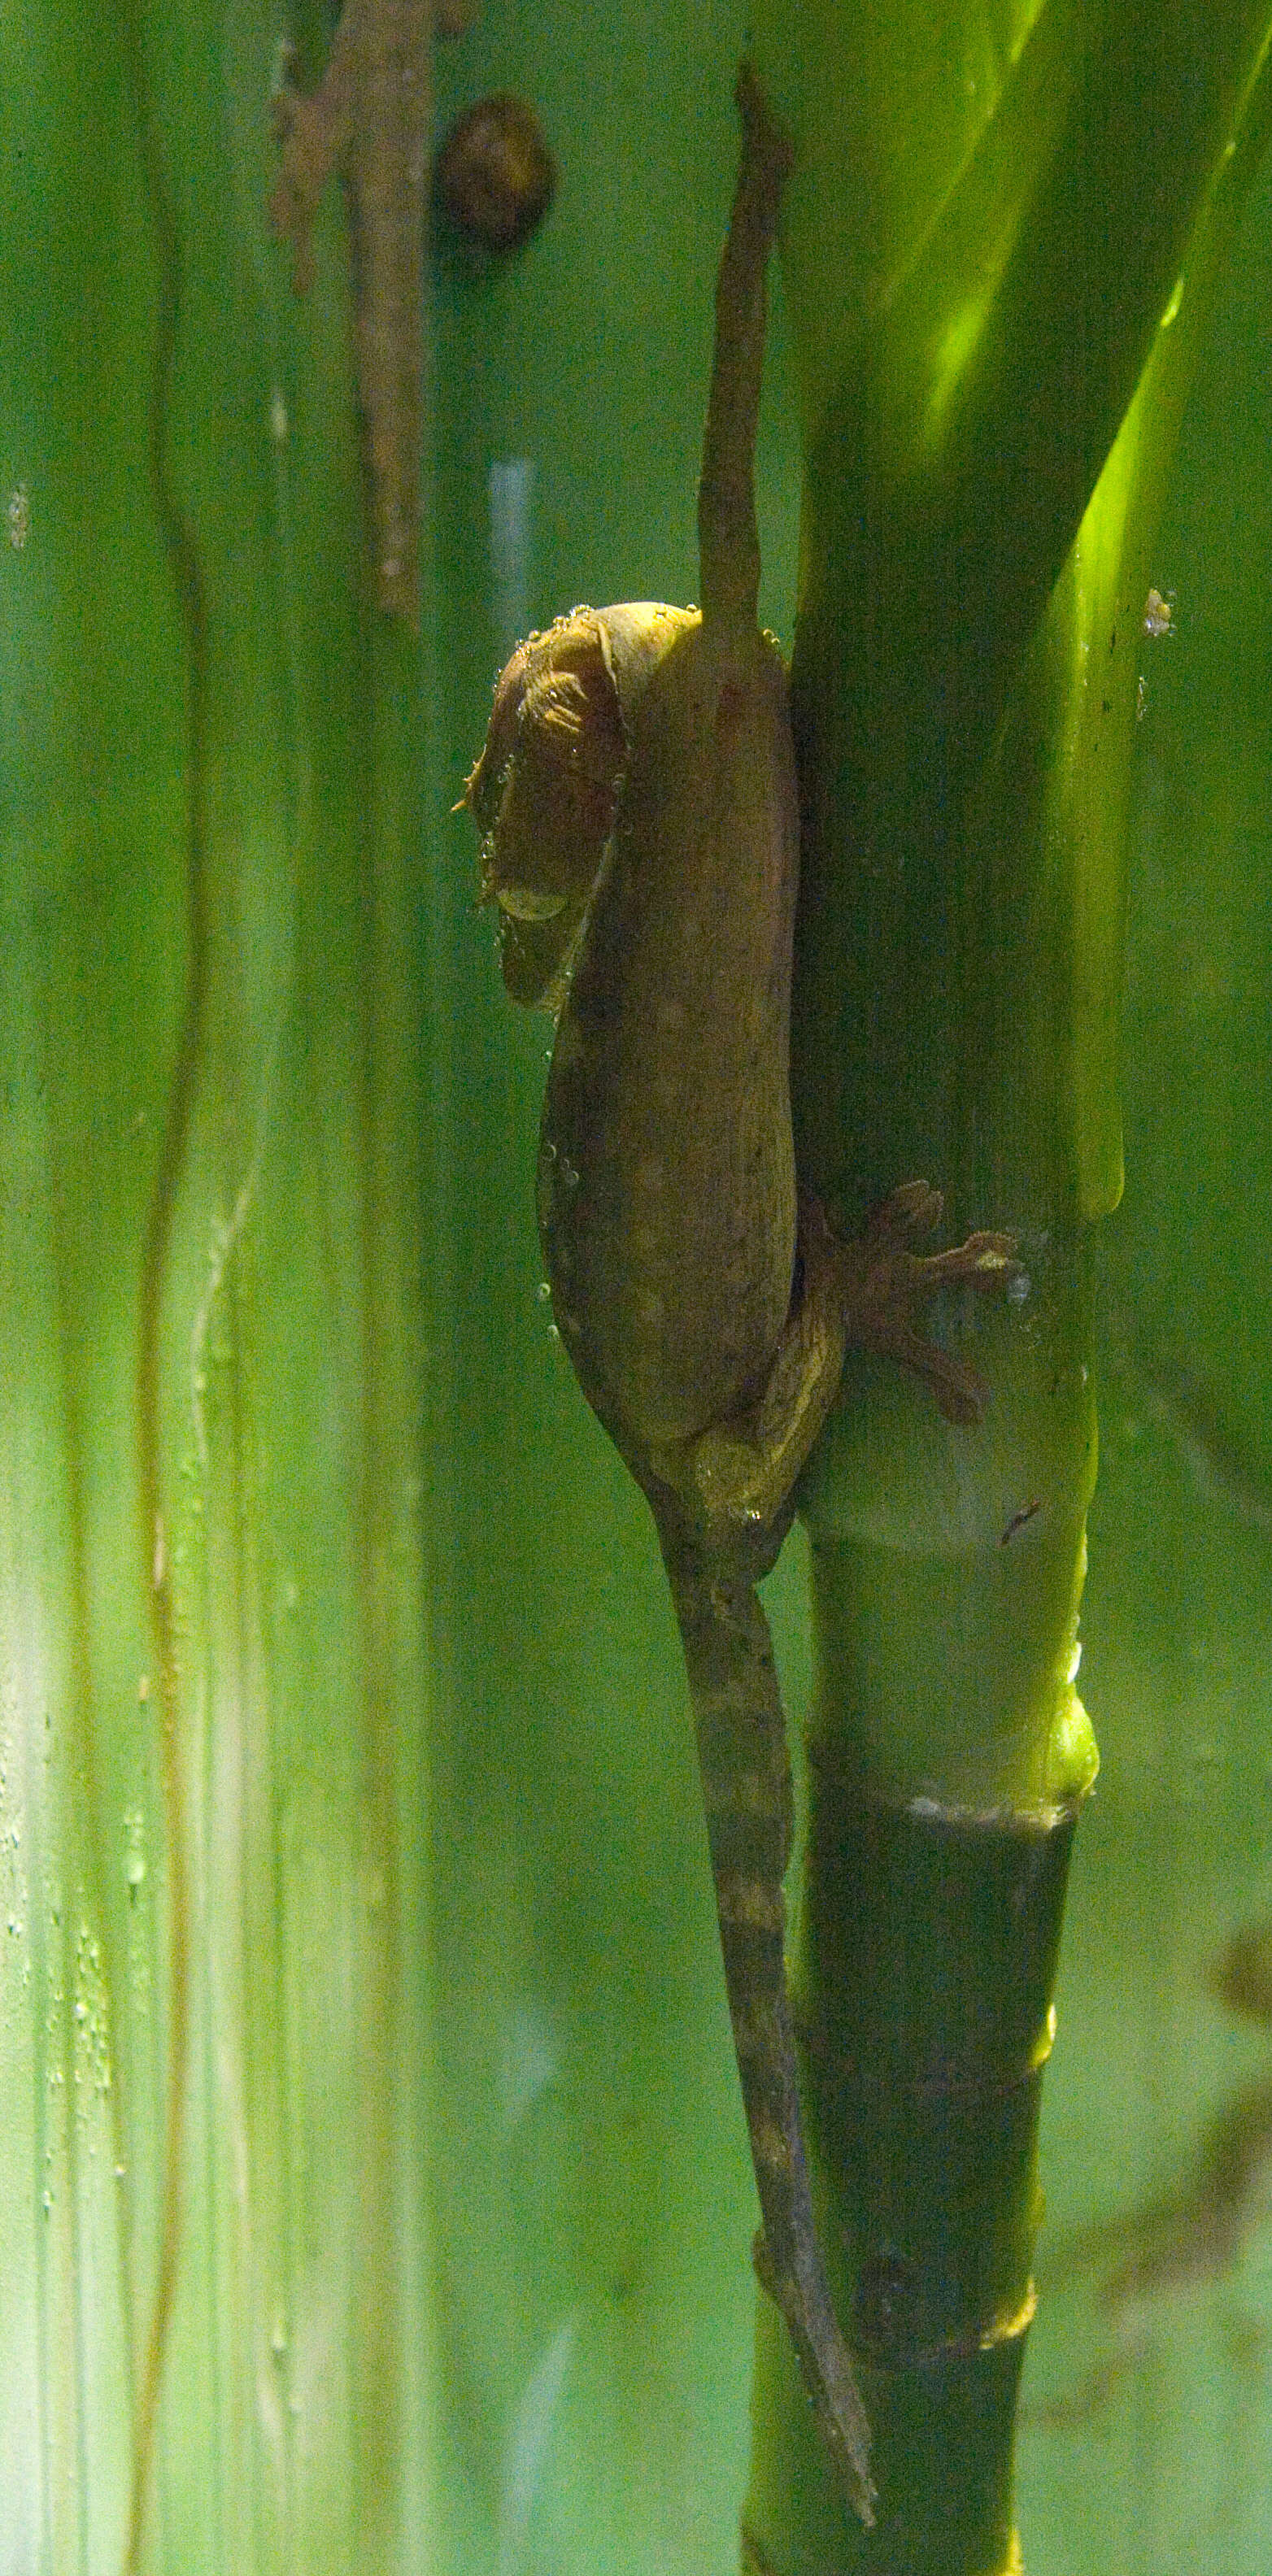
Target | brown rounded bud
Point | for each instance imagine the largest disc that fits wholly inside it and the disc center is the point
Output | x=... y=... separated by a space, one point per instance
x=495 y=177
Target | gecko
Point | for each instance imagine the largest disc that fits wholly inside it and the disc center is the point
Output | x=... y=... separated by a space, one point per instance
x=636 y=798
x=369 y=119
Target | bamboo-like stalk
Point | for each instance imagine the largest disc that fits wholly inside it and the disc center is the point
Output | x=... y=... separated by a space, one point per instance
x=991 y=385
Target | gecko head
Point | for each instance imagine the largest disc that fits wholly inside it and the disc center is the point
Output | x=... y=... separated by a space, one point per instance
x=543 y=795
x=545 y=789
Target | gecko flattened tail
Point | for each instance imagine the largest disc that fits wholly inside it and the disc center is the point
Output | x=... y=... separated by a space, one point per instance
x=747 y=1794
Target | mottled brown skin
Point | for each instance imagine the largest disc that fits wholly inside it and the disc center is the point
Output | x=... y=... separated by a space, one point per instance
x=369 y=119
x=669 y=1087
x=637 y=798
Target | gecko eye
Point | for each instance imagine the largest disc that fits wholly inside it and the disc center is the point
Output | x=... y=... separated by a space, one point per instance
x=529 y=903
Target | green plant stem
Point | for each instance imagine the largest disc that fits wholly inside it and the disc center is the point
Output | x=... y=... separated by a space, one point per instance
x=991 y=390
x=929 y=1956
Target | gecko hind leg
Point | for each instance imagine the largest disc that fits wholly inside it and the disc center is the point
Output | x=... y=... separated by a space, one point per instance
x=883 y=1284
x=863 y=1292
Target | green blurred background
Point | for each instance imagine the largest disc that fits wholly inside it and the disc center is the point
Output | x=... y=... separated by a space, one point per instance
x=465 y=2283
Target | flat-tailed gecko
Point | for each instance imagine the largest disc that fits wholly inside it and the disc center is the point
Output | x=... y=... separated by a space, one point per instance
x=637 y=801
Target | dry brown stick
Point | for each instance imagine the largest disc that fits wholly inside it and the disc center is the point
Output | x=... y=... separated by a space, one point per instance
x=369 y=119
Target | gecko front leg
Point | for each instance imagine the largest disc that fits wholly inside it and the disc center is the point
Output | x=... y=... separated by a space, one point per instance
x=369 y=119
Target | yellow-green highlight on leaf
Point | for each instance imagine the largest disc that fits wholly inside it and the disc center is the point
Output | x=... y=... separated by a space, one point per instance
x=1069 y=210
x=957 y=343
x=935 y=80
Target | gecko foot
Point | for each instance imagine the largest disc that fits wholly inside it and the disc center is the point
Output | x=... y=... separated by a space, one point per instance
x=883 y=1283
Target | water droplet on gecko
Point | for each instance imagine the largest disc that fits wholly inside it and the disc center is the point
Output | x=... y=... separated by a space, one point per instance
x=543 y=1292
x=1019 y=1287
